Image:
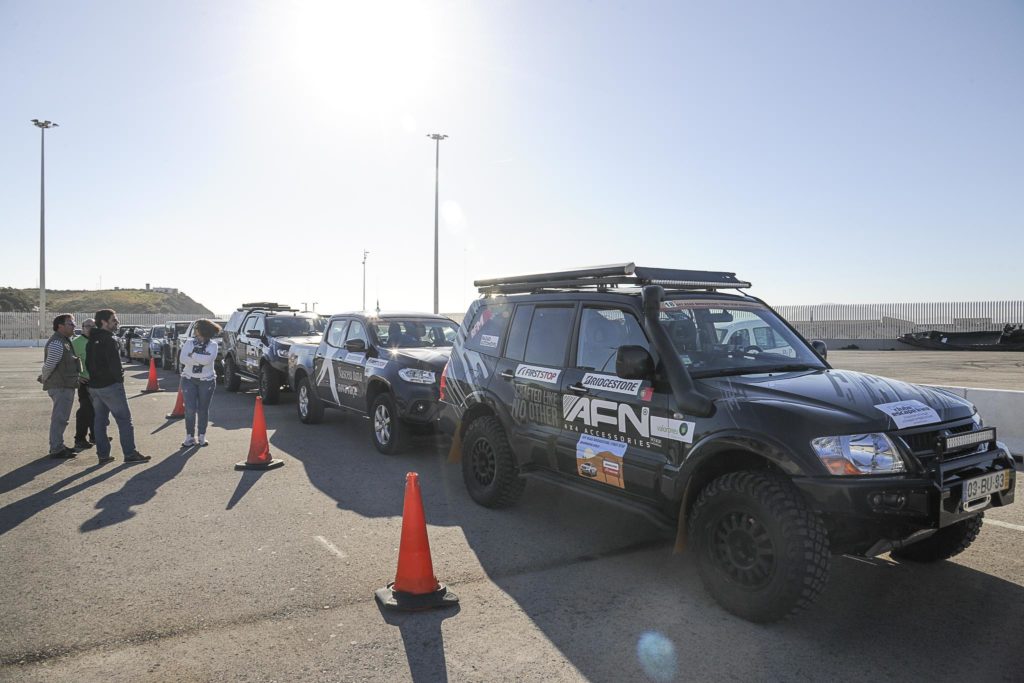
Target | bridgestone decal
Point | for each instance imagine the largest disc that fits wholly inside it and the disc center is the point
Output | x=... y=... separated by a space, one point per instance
x=611 y=383
x=538 y=374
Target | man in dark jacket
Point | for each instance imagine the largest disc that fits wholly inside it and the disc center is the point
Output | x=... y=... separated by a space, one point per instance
x=60 y=379
x=106 y=389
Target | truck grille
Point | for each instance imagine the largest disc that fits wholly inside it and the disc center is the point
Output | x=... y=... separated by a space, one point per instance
x=923 y=442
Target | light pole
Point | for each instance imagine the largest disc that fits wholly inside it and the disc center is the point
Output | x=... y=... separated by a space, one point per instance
x=364 y=278
x=436 y=137
x=304 y=306
x=42 y=125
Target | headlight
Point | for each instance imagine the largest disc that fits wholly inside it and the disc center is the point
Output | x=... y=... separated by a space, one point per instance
x=283 y=353
x=416 y=376
x=858 y=454
x=978 y=422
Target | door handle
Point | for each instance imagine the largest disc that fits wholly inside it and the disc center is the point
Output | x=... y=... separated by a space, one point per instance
x=507 y=374
x=578 y=389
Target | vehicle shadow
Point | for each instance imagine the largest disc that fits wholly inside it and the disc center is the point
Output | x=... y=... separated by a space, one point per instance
x=116 y=507
x=576 y=566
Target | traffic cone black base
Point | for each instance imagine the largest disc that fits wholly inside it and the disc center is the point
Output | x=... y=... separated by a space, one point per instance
x=390 y=599
x=271 y=464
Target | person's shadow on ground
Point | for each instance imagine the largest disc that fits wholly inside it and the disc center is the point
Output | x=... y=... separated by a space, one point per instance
x=117 y=507
x=14 y=514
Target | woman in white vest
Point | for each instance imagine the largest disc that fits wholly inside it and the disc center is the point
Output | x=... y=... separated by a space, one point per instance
x=198 y=379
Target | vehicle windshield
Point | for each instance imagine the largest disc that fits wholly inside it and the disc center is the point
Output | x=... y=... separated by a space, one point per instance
x=412 y=334
x=733 y=338
x=156 y=333
x=181 y=328
x=294 y=326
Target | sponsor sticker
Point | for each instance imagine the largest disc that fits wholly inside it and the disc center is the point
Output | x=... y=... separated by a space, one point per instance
x=909 y=413
x=355 y=358
x=600 y=459
x=378 y=363
x=647 y=394
x=611 y=383
x=538 y=374
x=489 y=341
x=668 y=428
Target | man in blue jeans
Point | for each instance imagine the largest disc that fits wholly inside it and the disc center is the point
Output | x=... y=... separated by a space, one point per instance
x=106 y=389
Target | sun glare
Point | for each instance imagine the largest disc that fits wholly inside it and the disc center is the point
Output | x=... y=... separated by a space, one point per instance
x=366 y=57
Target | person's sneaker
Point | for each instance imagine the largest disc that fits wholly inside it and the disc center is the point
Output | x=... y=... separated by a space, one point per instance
x=135 y=456
x=63 y=454
x=188 y=442
x=83 y=445
x=104 y=459
x=202 y=440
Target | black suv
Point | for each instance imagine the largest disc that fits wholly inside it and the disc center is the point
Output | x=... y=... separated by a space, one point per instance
x=257 y=339
x=621 y=381
x=387 y=367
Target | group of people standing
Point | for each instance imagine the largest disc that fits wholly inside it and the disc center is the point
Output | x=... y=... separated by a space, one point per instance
x=90 y=365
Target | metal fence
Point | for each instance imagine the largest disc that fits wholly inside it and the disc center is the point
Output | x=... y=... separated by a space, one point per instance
x=26 y=325
x=889 y=321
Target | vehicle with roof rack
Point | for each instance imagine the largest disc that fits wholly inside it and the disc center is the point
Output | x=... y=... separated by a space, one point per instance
x=631 y=384
x=257 y=339
x=384 y=366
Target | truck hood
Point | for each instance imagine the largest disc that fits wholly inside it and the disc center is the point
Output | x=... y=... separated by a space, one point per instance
x=848 y=400
x=430 y=359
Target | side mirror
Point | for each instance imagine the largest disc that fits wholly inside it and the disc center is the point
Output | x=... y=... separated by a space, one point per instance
x=634 y=362
x=355 y=345
x=254 y=334
x=821 y=347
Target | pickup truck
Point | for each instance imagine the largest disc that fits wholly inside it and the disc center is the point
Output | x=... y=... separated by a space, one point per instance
x=383 y=366
x=256 y=340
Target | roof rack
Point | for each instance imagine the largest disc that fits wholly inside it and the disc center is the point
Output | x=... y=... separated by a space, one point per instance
x=268 y=305
x=605 y=277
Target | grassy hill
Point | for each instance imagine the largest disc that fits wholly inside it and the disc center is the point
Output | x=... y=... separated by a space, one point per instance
x=121 y=300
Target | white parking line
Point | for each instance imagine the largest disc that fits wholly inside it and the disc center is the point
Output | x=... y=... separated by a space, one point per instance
x=1005 y=525
x=330 y=546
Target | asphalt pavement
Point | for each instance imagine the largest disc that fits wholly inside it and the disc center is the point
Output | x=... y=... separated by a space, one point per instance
x=184 y=569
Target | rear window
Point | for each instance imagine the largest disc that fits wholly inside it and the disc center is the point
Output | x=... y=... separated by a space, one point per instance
x=488 y=327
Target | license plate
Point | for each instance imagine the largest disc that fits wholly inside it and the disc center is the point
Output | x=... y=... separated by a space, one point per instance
x=980 y=487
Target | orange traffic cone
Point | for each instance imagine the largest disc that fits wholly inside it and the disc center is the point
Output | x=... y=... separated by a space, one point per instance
x=415 y=587
x=179 y=407
x=152 y=385
x=259 y=449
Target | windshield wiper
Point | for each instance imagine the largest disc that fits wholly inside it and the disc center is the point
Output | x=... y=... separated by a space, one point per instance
x=759 y=370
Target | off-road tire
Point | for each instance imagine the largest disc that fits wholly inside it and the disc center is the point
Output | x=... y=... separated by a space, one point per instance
x=270 y=385
x=307 y=403
x=232 y=381
x=488 y=466
x=387 y=430
x=762 y=553
x=944 y=543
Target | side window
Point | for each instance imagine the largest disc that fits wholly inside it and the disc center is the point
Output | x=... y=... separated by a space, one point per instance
x=741 y=338
x=489 y=326
x=516 y=346
x=764 y=338
x=357 y=331
x=602 y=332
x=260 y=324
x=336 y=333
x=250 y=324
x=549 y=335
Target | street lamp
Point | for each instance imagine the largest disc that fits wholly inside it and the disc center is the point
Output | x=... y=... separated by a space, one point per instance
x=42 y=125
x=436 y=137
x=364 y=279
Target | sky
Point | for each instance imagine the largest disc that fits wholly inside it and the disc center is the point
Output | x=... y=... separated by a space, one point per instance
x=844 y=152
